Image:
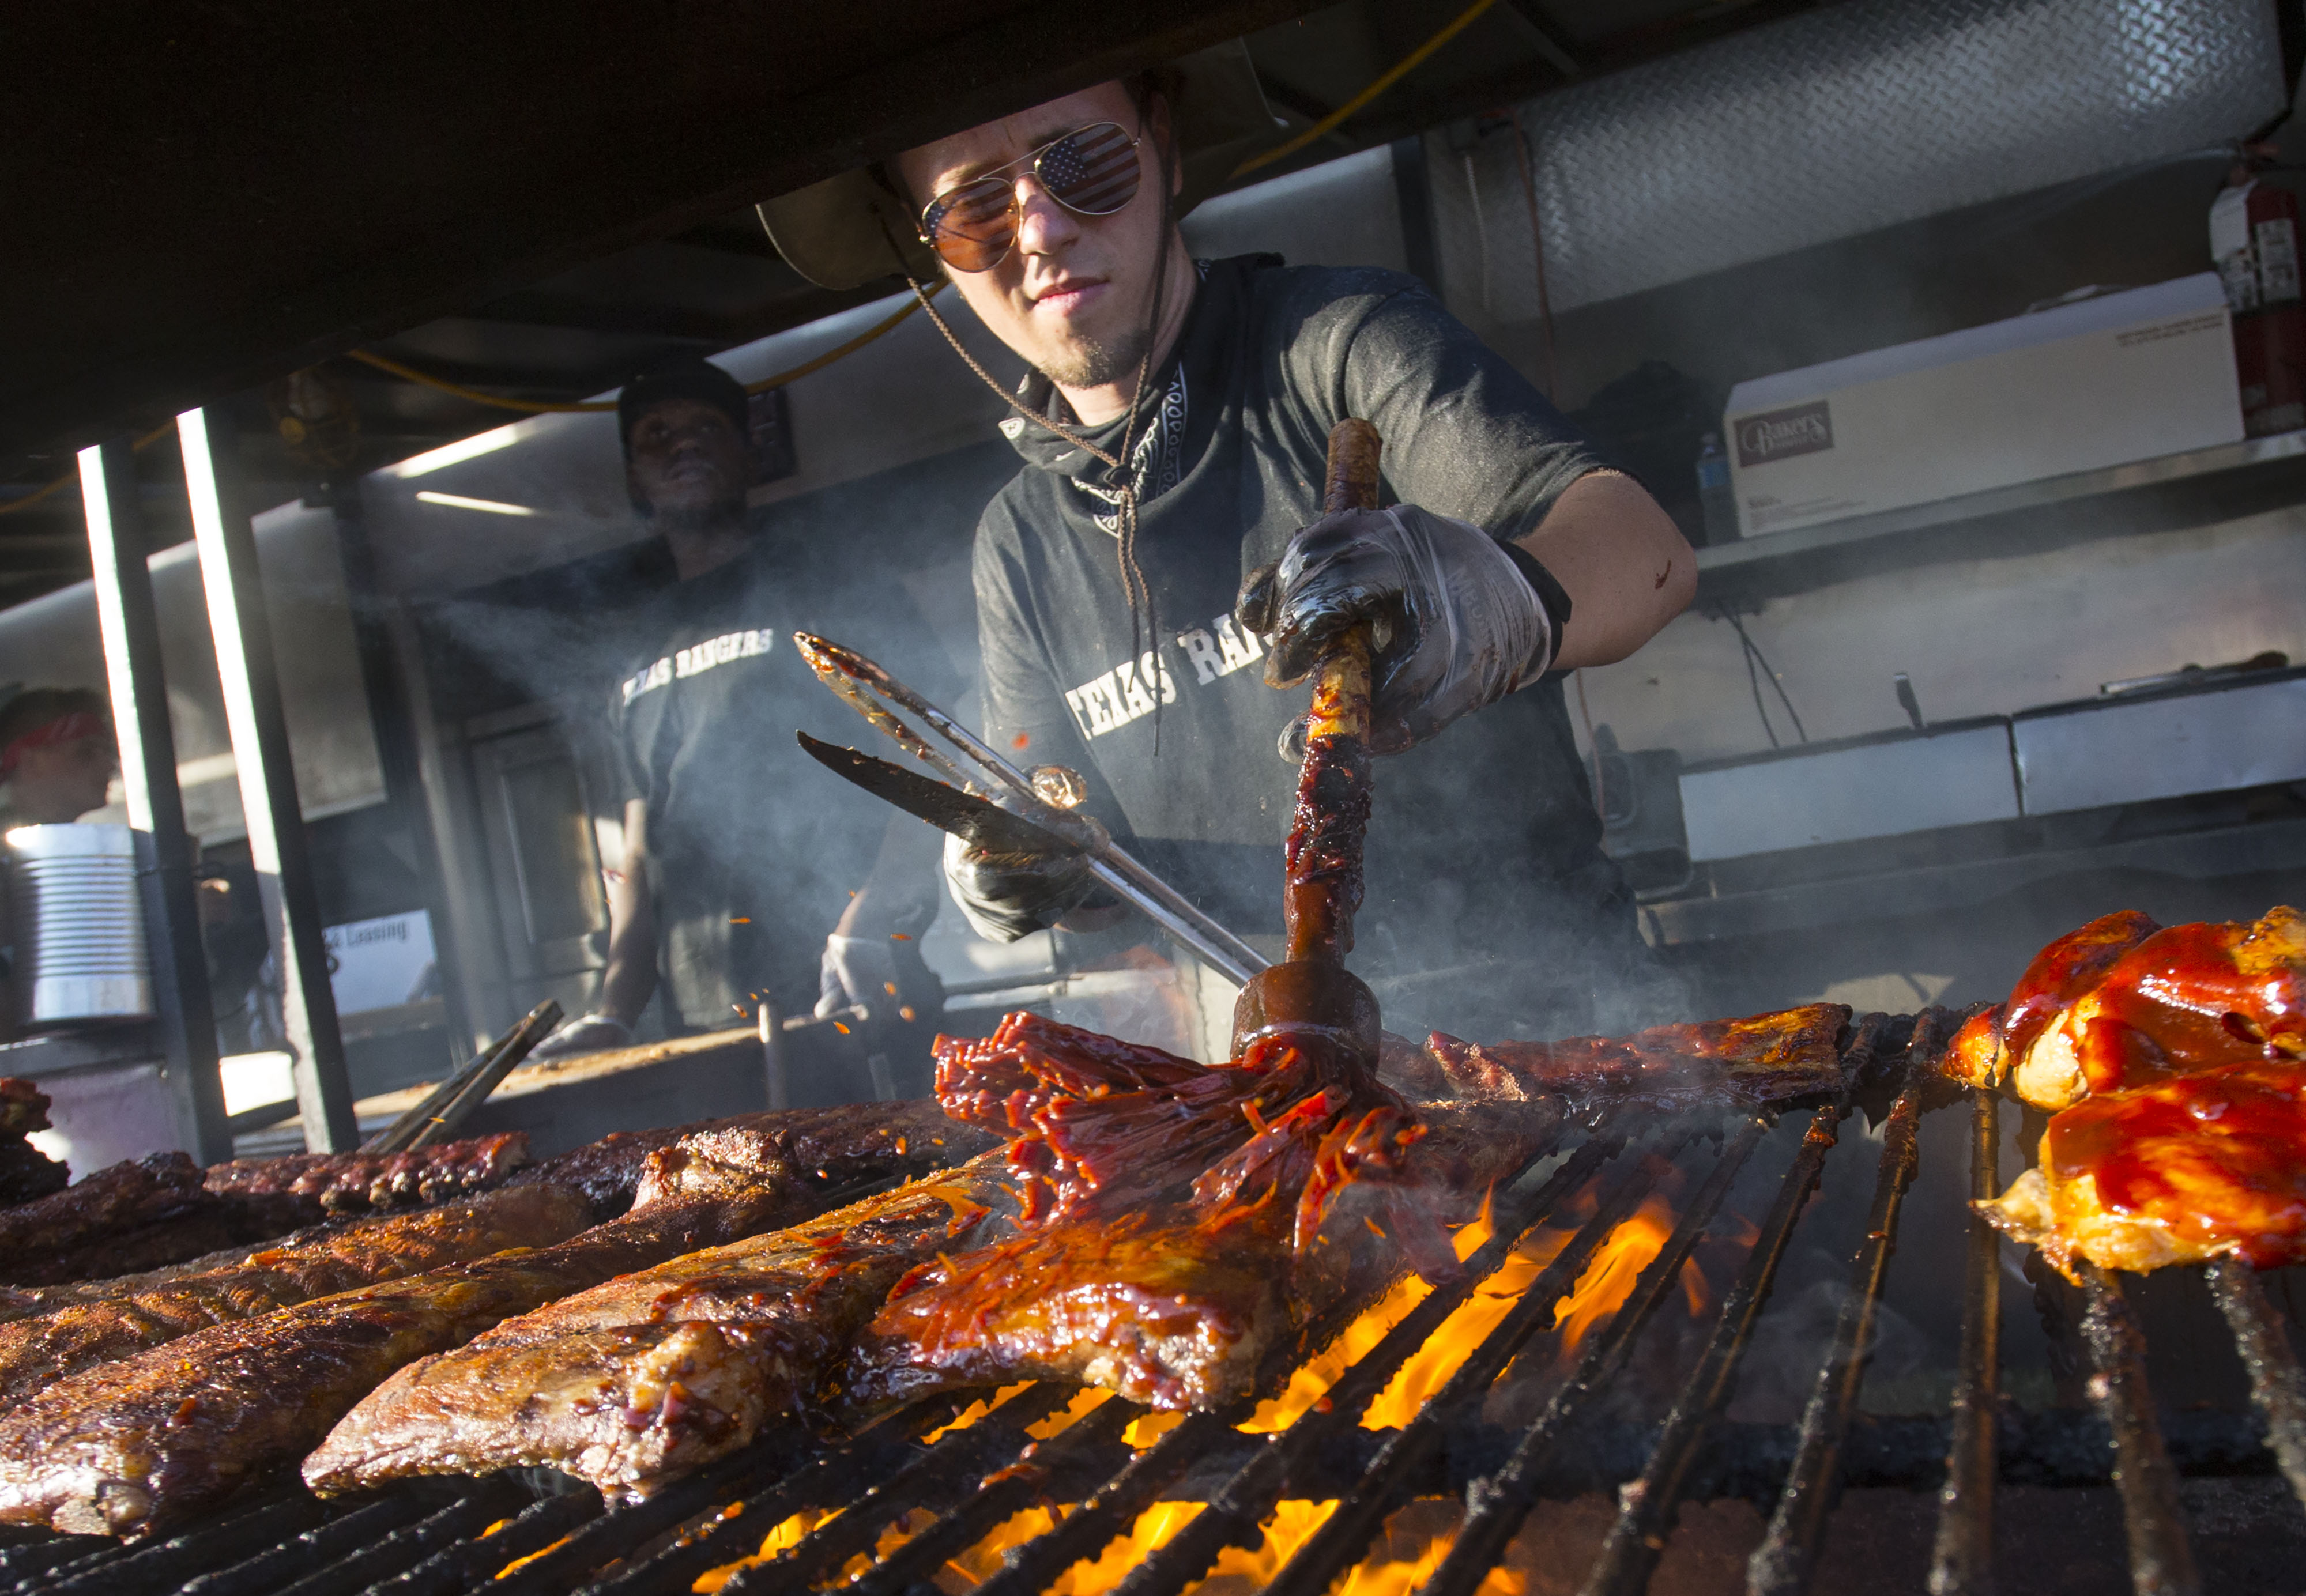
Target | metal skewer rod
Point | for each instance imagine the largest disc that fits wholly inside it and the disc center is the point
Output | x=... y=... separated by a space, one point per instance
x=2161 y=1557
x=2276 y=1384
x=1786 y=1562
x=855 y=679
x=1961 y=1562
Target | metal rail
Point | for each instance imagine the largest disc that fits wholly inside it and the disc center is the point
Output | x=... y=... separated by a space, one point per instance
x=1344 y=1535
x=1009 y=1492
x=2154 y=1518
x=1646 y=1508
x=1236 y=1512
x=1787 y=1560
x=2276 y=1384
x=1961 y=1559
x=1497 y=1506
x=951 y=1466
x=1108 y=1514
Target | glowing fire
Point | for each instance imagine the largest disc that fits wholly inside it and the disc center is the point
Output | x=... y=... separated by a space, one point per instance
x=1416 y=1539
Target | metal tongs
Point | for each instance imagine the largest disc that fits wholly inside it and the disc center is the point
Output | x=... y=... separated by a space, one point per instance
x=990 y=803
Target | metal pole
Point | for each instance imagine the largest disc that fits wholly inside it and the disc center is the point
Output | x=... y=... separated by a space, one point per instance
x=268 y=787
x=397 y=747
x=129 y=623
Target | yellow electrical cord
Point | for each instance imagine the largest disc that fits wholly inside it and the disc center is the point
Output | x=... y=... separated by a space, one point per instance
x=536 y=407
x=30 y=499
x=1399 y=70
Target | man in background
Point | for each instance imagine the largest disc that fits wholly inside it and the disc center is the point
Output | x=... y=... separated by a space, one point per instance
x=57 y=755
x=750 y=874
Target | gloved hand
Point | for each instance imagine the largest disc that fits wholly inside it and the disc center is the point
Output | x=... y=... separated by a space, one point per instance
x=587 y=1033
x=1008 y=895
x=881 y=974
x=1458 y=620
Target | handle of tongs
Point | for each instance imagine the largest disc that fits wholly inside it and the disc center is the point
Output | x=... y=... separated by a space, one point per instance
x=856 y=679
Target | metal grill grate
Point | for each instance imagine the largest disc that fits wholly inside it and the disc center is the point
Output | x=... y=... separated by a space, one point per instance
x=914 y=1490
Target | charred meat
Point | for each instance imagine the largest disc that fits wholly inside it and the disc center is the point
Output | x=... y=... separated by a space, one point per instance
x=36 y=1352
x=661 y=1371
x=304 y=1188
x=1781 y=1057
x=125 y=1196
x=1179 y=1307
x=153 y=1439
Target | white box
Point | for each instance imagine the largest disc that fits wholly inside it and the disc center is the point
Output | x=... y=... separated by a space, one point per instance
x=2122 y=377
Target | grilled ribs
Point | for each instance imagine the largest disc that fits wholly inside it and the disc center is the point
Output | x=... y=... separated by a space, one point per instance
x=38 y=1352
x=1176 y=1307
x=125 y=1196
x=305 y=1187
x=25 y=1172
x=1764 y=1059
x=153 y=1439
x=659 y=1371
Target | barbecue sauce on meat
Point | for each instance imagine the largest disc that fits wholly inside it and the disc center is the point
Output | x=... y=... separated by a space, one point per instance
x=2189 y=1145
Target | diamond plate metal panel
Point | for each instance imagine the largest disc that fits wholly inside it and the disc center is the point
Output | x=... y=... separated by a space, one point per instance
x=1856 y=117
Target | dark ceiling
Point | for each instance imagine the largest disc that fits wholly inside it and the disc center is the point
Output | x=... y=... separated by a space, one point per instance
x=535 y=200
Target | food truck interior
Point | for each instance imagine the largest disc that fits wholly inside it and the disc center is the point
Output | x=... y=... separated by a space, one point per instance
x=1913 y=316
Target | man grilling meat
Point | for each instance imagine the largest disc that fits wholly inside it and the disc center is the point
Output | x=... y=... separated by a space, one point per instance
x=1165 y=535
x=734 y=885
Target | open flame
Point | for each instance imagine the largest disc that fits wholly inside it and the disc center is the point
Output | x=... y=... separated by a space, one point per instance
x=1416 y=1539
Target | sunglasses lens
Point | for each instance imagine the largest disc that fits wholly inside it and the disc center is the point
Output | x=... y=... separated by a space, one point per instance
x=1094 y=171
x=973 y=226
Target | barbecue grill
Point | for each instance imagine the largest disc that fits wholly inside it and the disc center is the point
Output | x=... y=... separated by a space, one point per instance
x=916 y=1488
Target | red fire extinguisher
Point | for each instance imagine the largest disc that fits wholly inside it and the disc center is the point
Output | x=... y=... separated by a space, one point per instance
x=2254 y=240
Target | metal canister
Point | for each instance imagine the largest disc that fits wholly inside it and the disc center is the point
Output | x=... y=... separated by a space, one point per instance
x=80 y=952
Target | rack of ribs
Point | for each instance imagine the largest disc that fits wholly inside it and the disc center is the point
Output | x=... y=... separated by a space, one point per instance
x=36 y=1352
x=1764 y=1059
x=46 y=1240
x=1171 y=1306
x=153 y=1439
x=25 y=1172
x=304 y=1188
x=659 y=1371
x=2176 y=1061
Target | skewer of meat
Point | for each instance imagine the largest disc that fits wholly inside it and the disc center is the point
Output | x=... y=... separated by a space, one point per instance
x=2176 y=1059
x=153 y=1439
x=38 y=1352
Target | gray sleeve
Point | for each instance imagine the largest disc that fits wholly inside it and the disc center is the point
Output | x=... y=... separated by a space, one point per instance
x=1466 y=434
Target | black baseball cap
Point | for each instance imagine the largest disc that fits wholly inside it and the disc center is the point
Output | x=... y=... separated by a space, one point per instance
x=698 y=379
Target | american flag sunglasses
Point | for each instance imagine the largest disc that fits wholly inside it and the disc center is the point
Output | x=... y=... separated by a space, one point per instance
x=1092 y=171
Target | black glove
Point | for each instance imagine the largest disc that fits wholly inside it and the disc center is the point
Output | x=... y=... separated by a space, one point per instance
x=1458 y=618
x=1006 y=896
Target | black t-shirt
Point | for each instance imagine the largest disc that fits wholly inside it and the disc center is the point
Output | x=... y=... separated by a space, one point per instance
x=1484 y=844
x=756 y=847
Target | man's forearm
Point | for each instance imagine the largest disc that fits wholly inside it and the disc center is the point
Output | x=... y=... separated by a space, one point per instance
x=629 y=980
x=1626 y=567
